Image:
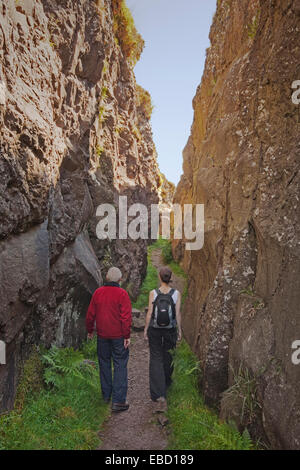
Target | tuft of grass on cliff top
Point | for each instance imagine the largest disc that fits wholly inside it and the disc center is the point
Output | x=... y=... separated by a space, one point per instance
x=126 y=34
x=193 y=425
x=64 y=415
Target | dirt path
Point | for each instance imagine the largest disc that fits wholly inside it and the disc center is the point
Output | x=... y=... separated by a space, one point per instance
x=138 y=428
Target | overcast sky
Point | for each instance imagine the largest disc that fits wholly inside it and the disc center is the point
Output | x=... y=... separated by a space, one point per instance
x=171 y=66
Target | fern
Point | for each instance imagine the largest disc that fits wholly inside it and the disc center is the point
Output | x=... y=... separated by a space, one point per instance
x=225 y=437
x=51 y=377
x=62 y=363
x=66 y=414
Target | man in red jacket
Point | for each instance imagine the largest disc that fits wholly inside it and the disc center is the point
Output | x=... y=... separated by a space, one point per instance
x=110 y=307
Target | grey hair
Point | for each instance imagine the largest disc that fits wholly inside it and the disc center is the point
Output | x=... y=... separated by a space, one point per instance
x=113 y=275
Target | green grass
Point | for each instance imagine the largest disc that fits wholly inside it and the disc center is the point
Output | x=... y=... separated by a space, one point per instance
x=242 y=396
x=193 y=425
x=65 y=414
x=101 y=113
x=150 y=282
x=99 y=150
x=253 y=27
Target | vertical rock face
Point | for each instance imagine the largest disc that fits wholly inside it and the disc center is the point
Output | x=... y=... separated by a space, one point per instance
x=242 y=162
x=72 y=137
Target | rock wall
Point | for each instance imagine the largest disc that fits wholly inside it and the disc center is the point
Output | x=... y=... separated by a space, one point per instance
x=242 y=163
x=72 y=137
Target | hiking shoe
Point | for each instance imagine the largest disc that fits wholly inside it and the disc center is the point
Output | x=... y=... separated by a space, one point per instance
x=106 y=400
x=160 y=405
x=118 y=407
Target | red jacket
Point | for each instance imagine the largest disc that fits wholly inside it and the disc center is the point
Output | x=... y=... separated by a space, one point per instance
x=111 y=308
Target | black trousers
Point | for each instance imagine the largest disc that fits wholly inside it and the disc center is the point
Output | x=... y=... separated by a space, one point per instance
x=161 y=341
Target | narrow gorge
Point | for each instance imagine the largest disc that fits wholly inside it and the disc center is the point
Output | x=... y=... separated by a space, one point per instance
x=242 y=162
x=76 y=133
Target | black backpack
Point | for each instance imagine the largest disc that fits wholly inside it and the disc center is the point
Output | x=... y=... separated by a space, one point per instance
x=164 y=311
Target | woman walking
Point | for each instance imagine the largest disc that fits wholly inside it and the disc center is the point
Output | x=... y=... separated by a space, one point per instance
x=162 y=329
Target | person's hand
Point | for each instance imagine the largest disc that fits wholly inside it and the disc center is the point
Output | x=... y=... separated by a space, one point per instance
x=126 y=343
x=90 y=335
x=179 y=335
x=145 y=335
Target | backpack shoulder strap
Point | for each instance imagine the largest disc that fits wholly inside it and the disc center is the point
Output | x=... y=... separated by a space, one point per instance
x=154 y=301
x=172 y=302
x=157 y=291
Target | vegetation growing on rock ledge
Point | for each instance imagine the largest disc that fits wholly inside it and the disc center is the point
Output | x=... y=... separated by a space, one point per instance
x=144 y=101
x=131 y=42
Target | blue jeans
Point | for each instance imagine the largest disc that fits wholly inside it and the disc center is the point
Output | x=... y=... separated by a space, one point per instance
x=113 y=350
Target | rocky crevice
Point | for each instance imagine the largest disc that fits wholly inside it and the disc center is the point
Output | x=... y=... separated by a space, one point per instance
x=241 y=162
